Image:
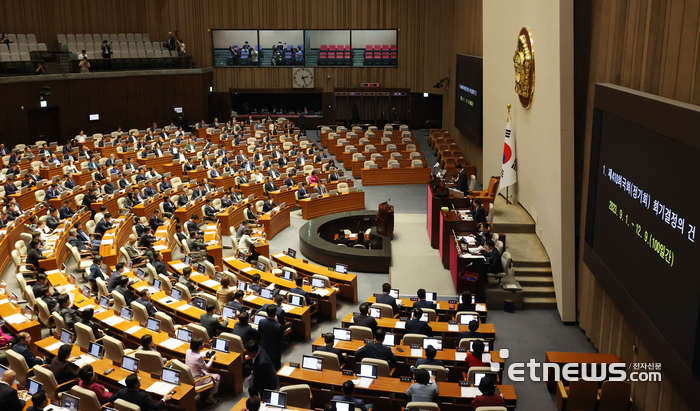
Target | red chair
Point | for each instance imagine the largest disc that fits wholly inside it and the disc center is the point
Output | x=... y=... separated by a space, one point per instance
x=324 y=47
x=322 y=58
x=348 y=48
x=392 y=47
x=331 y=57
x=347 y=59
x=331 y=47
x=392 y=58
x=385 y=47
x=341 y=47
x=368 y=48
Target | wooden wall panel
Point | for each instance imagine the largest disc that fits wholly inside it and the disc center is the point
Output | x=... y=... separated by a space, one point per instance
x=127 y=102
x=646 y=45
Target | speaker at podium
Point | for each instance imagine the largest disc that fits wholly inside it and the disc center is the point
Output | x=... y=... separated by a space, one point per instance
x=385 y=220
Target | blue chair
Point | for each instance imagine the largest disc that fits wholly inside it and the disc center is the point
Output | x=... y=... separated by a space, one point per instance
x=245 y=58
x=288 y=58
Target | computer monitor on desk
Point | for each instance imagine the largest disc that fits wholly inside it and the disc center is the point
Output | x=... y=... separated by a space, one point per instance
x=341 y=268
x=465 y=319
x=366 y=370
x=342 y=334
x=312 y=363
x=274 y=399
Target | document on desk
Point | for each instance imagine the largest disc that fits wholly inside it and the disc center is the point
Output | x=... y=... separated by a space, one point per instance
x=245 y=270
x=55 y=346
x=145 y=287
x=52 y=272
x=470 y=392
x=278 y=255
x=460 y=356
x=171 y=344
x=84 y=359
x=107 y=242
x=416 y=352
x=123 y=382
x=363 y=382
x=179 y=266
x=481 y=307
x=183 y=307
x=113 y=320
x=210 y=283
x=161 y=388
x=65 y=288
x=160 y=247
x=287 y=308
x=453 y=328
x=133 y=329
x=271 y=286
x=250 y=297
x=85 y=307
x=167 y=300
x=16 y=319
x=400 y=325
x=5 y=301
x=286 y=371
x=321 y=291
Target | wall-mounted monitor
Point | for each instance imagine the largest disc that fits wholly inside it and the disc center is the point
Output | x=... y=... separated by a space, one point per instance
x=94 y=117
x=468 y=84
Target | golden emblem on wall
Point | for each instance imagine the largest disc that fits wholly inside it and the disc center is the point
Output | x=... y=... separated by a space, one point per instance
x=524 y=62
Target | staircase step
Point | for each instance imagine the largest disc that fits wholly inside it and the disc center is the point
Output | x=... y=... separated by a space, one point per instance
x=532 y=271
x=535 y=281
x=538 y=291
x=539 y=303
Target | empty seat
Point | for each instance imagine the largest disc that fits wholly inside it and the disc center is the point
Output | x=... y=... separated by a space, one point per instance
x=130 y=37
x=32 y=47
x=97 y=38
x=150 y=54
x=324 y=47
x=157 y=46
x=132 y=46
x=79 y=38
x=138 y=37
x=146 y=37
x=148 y=46
x=23 y=48
x=14 y=48
x=42 y=47
x=133 y=54
x=116 y=54
x=88 y=38
x=31 y=38
x=89 y=47
x=70 y=38
x=21 y=39
x=5 y=57
x=141 y=54
x=15 y=57
x=122 y=37
x=158 y=53
x=113 y=38
x=139 y=47
x=123 y=46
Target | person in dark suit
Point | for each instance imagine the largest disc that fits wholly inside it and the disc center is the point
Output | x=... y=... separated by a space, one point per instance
x=53 y=221
x=41 y=281
x=416 y=326
x=495 y=265
x=149 y=191
x=272 y=336
x=134 y=395
x=63 y=308
x=269 y=185
x=269 y=205
x=237 y=301
x=462 y=179
x=479 y=212
x=182 y=198
x=158 y=263
x=63 y=369
x=334 y=175
x=47 y=297
x=22 y=348
x=145 y=300
x=363 y=319
x=385 y=298
x=342 y=239
x=299 y=290
x=116 y=276
x=328 y=339
x=466 y=304
x=422 y=303
x=9 y=400
x=472 y=333
x=264 y=375
x=10 y=187
x=109 y=187
x=376 y=350
x=39 y=401
x=103 y=225
x=348 y=390
x=211 y=323
x=243 y=329
x=168 y=207
x=123 y=289
x=192 y=224
x=302 y=192
x=96 y=271
x=290 y=182
x=155 y=220
x=209 y=210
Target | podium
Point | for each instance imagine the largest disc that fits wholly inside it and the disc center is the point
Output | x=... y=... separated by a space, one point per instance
x=385 y=220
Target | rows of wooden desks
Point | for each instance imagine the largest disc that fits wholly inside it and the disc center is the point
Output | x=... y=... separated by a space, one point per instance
x=358 y=165
x=378 y=135
x=287 y=196
x=331 y=204
x=345 y=283
x=184 y=395
x=386 y=393
x=563 y=358
x=447 y=331
x=445 y=310
x=130 y=332
x=16 y=321
x=274 y=222
x=453 y=359
x=393 y=176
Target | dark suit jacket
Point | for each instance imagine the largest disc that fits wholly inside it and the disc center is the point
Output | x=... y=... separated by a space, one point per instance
x=480 y=215
x=496 y=266
x=28 y=355
x=389 y=300
x=415 y=326
x=271 y=337
x=365 y=321
x=237 y=305
x=331 y=349
x=463 y=181
x=424 y=304
x=300 y=291
x=137 y=397
x=359 y=403
x=149 y=307
x=95 y=273
x=466 y=307
x=212 y=324
x=246 y=332
x=102 y=226
x=264 y=375
x=64 y=211
x=376 y=350
x=155 y=222
x=9 y=400
x=113 y=281
x=467 y=334
x=52 y=222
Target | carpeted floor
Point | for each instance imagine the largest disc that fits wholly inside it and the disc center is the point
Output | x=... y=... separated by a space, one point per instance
x=527 y=334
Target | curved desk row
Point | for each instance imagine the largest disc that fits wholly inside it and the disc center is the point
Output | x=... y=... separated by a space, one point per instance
x=331 y=204
x=346 y=283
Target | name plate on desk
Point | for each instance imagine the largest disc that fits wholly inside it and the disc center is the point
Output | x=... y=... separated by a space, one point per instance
x=414 y=298
x=294 y=364
x=368 y=341
x=346 y=372
x=405 y=379
x=453 y=322
x=464 y=383
x=461 y=350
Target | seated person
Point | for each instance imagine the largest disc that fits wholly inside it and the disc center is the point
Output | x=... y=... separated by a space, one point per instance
x=329 y=340
x=385 y=298
x=62 y=367
x=88 y=380
x=421 y=390
x=422 y=303
x=22 y=348
x=363 y=319
x=376 y=350
x=342 y=239
x=495 y=265
x=490 y=397
x=474 y=359
x=430 y=353
x=348 y=390
x=466 y=304
x=416 y=326
x=472 y=333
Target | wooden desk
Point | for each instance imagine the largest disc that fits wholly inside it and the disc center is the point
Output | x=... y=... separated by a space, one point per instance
x=184 y=394
x=444 y=309
x=57 y=203
x=118 y=236
x=51 y=172
x=54 y=260
x=450 y=221
x=386 y=393
x=562 y=358
x=356 y=166
x=404 y=360
x=274 y=223
x=231 y=218
x=299 y=316
x=346 y=283
x=147 y=209
x=440 y=329
x=27 y=199
x=393 y=176
x=329 y=204
x=434 y=205
x=32 y=327
x=111 y=203
x=240 y=406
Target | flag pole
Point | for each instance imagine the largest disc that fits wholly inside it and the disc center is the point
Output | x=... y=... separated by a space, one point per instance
x=507 y=188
